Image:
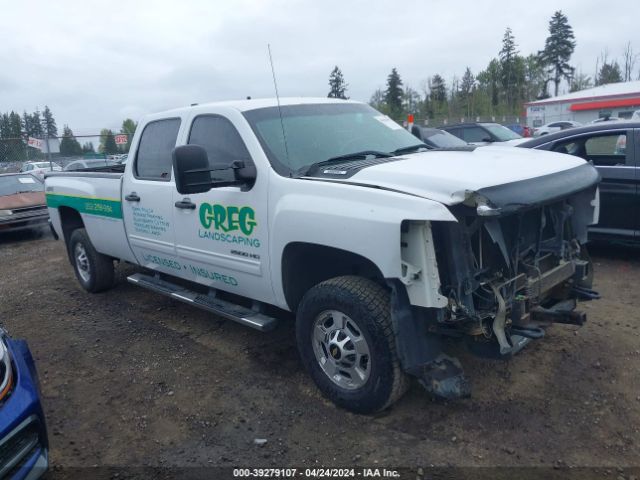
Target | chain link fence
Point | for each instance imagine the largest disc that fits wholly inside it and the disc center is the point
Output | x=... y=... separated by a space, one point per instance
x=77 y=152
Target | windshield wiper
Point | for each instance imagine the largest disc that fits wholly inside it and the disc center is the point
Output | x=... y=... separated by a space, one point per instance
x=410 y=148
x=341 y=158
x=362 y=154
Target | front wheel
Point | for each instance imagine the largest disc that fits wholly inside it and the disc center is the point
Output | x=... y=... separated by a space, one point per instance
x=94 y=270
x=346 y=341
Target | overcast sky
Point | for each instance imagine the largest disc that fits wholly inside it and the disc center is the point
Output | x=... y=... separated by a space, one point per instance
x=96 y=63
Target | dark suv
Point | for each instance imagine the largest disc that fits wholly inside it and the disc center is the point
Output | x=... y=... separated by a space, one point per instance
x=482 y=133
x=614 y=149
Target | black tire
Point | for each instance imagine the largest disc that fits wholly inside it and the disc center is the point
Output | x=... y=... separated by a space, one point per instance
x=368 y=304
x=99 y=275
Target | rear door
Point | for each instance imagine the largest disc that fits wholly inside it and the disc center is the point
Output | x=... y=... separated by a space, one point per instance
x=612 y=153
x=147 y=192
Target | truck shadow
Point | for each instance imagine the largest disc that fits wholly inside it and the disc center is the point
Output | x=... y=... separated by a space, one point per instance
x=9 y=238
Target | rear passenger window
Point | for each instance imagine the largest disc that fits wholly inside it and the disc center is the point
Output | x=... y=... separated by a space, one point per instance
x=607 y=150
x=221 y=140
x=153 y=161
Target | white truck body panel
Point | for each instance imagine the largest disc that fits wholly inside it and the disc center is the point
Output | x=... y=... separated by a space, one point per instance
x=446 y=176
x=363 y=220
x=97 y=199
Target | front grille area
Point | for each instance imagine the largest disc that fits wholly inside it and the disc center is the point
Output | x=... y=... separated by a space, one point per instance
x=25 y=213
x=525 y=256
x=37 y=208
x=18 y=446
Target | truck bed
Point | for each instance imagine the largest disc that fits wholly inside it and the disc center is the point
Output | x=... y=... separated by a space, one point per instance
x=95 y=195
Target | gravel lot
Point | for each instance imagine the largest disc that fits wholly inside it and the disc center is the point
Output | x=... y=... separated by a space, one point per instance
x=132 y=378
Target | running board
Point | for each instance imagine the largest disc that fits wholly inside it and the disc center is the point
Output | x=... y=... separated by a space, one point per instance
x=231 y=311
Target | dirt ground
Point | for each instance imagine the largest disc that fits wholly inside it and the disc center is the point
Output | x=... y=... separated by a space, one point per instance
x=132 y=378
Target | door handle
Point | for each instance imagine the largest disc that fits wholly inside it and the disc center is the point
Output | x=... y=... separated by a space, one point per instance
x=132 y=197
x=186 y=204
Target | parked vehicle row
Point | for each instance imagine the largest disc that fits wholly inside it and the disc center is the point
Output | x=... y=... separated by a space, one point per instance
x=478 y=133
x=554 y=127
x=38 y=169
x=437 y=138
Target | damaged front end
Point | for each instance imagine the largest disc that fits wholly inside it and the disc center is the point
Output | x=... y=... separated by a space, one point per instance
x=513 y=263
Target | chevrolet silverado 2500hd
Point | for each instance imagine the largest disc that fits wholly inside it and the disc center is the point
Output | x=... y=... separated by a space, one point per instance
x=329 y=209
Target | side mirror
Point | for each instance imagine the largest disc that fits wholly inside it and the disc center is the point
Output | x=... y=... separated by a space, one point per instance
x=191 y=169
x=487 y=139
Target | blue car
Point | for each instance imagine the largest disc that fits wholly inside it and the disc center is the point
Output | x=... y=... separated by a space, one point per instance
x=24 y=449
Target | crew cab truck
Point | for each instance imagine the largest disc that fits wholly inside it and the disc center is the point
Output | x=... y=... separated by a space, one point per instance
x=330 y=210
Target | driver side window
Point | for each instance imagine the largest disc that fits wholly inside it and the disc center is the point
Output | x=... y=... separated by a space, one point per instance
x=221 y=140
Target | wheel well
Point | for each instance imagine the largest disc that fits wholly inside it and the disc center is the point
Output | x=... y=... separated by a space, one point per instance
x=306 y=264
x=70 y=220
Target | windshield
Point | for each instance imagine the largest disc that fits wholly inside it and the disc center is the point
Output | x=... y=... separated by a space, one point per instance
x=12 y=184
x=442 y=139
x=317 y=132
x=501 y=133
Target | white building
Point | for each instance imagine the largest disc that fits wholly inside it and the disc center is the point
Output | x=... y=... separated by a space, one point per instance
x=614 y=99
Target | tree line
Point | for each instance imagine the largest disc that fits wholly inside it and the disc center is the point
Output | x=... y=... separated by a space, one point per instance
x=15 y=129
x=508 y=81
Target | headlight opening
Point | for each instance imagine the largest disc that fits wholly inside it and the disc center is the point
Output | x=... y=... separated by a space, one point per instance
x=6 y=373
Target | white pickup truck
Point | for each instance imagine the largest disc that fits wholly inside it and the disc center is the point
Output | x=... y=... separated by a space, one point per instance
x=330 y=210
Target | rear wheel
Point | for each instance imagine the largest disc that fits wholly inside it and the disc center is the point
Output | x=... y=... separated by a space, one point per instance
x=94 y=270
x=347 y=344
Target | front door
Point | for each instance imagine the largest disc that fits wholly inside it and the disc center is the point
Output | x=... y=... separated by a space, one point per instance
x=147 y=192
x=611 y=152
x=221 y=235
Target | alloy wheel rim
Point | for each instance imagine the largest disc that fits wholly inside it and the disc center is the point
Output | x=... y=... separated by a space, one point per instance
x=341 y=349
x=82 y=262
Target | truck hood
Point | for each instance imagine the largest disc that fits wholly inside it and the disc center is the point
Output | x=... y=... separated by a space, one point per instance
x=450 y=177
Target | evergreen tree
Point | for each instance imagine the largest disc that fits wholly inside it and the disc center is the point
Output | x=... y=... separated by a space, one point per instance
x=48 y=123
x=489 y=80
x=437 y=89
x=69 y=146
x=509 y=68
x=438 y=96
x=609 y=73
x=36 y=125
x=107 y=142
x=337 y=86
x=393 y=94
x=87 y=147
x=4 y=135
x=467 y=86
x=12 y=145
x=558 y=49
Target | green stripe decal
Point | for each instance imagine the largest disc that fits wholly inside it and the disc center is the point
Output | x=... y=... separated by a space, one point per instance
x=95 y=206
